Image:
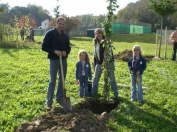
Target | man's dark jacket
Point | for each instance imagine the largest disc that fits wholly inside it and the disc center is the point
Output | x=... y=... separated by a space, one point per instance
x=55 y=40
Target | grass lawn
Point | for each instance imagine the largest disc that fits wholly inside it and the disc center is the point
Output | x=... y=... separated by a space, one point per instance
x=24 y=80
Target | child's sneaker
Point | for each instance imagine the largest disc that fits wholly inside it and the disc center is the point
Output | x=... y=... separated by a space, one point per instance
x=133 y=100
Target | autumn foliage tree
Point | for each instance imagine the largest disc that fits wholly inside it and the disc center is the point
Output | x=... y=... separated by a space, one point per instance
x=25 y=22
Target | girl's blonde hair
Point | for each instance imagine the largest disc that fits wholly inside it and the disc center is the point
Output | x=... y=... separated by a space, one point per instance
x=137 y=47
x=86 y=54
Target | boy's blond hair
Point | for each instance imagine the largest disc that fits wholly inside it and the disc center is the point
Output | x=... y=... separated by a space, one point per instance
x=83 y=52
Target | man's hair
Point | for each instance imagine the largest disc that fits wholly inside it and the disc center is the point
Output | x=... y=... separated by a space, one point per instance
x=60 y=18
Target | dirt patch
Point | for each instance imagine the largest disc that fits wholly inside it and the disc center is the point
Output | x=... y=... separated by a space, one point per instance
x=127 y=54
x=88 y=116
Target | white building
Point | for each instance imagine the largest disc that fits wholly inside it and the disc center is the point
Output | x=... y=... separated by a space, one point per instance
x=45 y=24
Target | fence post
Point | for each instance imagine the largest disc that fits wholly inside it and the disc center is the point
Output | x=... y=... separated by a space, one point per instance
x=166 y=42
x=157 y=45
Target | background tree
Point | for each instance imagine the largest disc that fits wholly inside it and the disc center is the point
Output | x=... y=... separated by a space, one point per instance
x=70 y=23
x=35 y=12
x=140 y=13
x=163 y=8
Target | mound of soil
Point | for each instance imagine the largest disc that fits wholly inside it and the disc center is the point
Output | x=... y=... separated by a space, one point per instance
x=88 y=116
x=127 y=54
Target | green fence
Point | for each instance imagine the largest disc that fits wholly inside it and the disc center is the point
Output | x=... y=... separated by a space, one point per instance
x=135 y=29
x=147 y=29
x=125 y=29
x=130 y=29
x=120 y=28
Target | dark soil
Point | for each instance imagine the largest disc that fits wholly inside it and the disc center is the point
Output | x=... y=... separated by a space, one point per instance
x=127 y=54
x=90 y=115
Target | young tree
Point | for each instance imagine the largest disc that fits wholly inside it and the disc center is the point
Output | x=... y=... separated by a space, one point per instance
x=163 y=8
x=56 y=10
x=108 y=53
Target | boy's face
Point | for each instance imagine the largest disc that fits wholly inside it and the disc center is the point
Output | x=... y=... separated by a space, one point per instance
x=83 y=56
x=98 y=35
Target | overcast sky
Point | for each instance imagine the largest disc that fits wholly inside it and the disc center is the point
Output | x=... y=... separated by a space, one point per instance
x=70 y=7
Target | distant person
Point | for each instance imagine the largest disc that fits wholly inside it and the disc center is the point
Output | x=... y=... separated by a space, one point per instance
x=22 y=34
x=99 y=49
x=31 y=34
x=56 y=43
x=173 y=38
x=83 y=73
x=137 y=65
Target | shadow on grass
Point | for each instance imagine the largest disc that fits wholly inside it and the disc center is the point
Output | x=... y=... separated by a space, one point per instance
x=10 y=52
x=132 y=116
x=11 y=47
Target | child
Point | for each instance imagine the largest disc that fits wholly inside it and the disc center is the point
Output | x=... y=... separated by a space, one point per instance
x=137 y=65
x=98 y=61
x=83 y=72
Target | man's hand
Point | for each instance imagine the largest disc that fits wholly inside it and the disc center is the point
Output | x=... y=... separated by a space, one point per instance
x=77 y=82
x=138 y=73
x=63 y=53
x=58 y=52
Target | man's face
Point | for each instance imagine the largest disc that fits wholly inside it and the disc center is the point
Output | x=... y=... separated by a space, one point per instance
x=60 y=24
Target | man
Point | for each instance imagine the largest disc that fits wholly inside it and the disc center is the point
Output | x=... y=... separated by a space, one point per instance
x=31 y=34
x=56 y=43
x=22 y=33
x=173 y=38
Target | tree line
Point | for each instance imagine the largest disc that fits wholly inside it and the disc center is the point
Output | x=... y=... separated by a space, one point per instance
x=133 y=13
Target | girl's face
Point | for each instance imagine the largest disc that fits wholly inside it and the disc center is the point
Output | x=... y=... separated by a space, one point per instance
x=136 y=52
x=82 y=56
x=98 y=35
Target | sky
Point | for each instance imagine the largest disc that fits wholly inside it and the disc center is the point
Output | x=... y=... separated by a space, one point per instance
x=70 y=7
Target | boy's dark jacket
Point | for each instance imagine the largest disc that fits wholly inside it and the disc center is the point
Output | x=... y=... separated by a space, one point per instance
x=87 y=69
x=137 y=65
x=54 y=40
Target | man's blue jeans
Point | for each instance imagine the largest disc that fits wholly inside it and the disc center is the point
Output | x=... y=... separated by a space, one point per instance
x=174 y=51
x=136 y=82
x=111 y=76
x=54 y=69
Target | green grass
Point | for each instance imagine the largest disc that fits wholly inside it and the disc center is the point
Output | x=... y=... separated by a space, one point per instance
x=131 y=38
x=24 y=80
